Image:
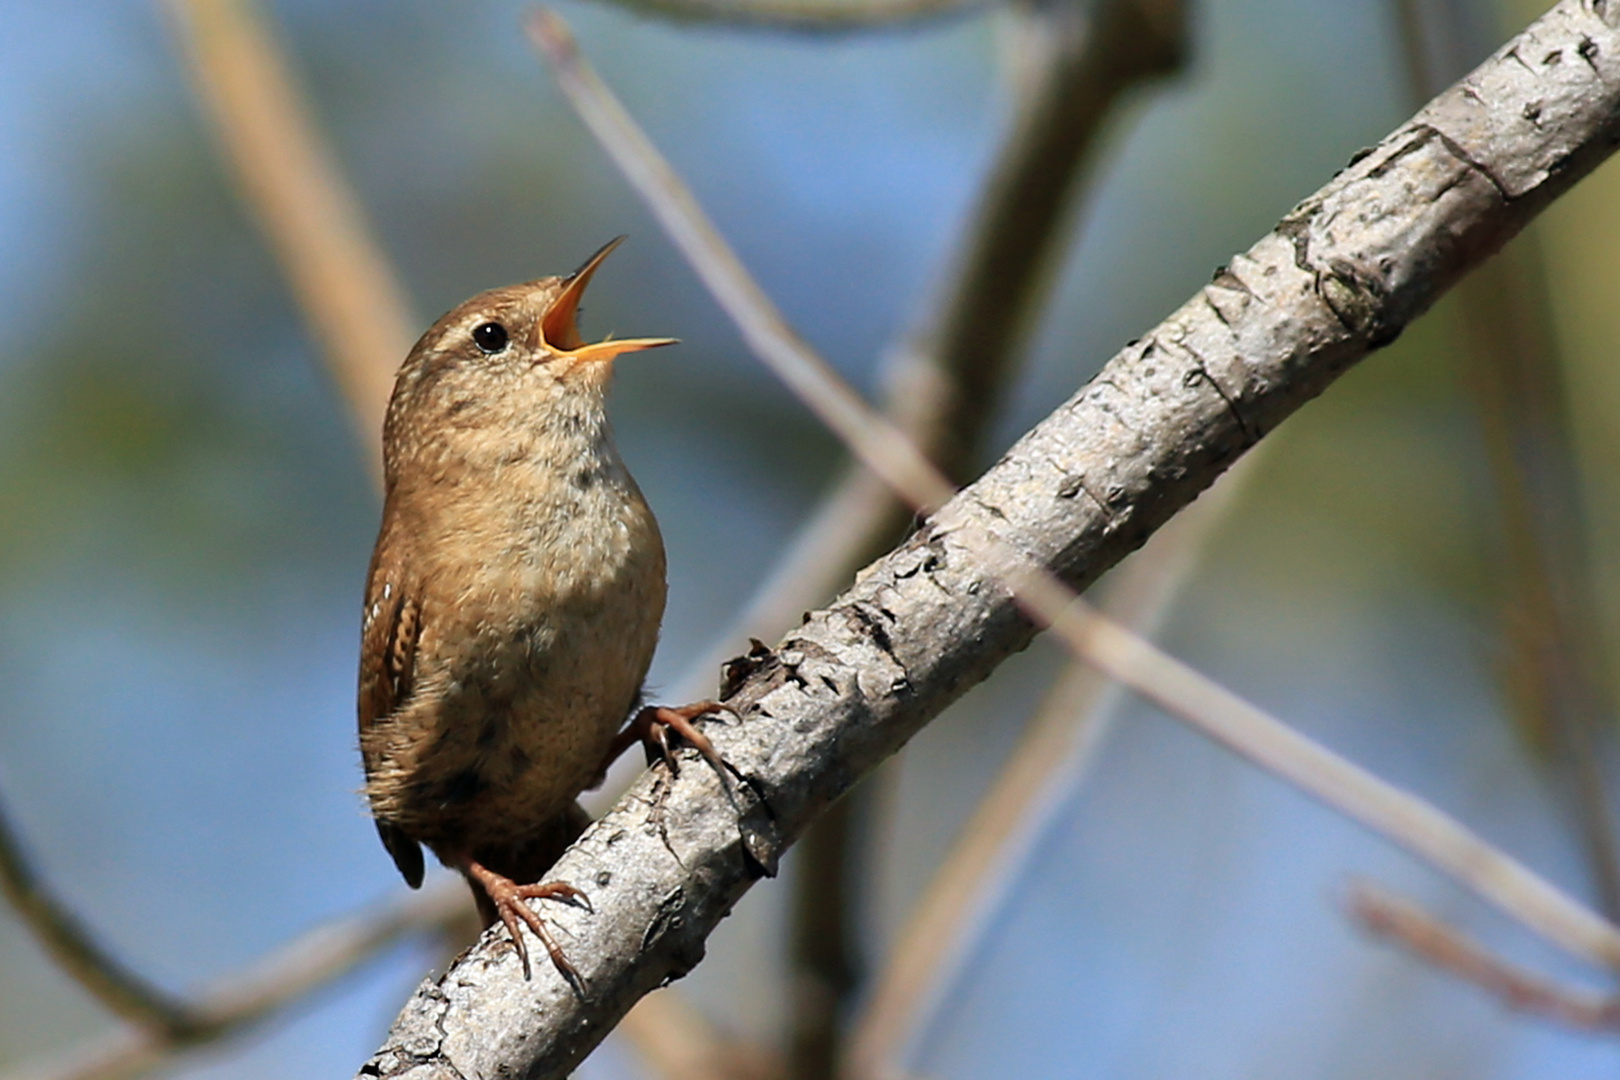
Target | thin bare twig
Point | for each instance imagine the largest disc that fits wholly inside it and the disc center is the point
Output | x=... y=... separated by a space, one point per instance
x=343 y=283
x=809 y=16
x=875 y=441
x=1552 y=671
x=1399 y=816
x=823 y=962
x=944 y=382
x=285 y=977
x=1409 y=821
x=986 y=861
x=1400 y=920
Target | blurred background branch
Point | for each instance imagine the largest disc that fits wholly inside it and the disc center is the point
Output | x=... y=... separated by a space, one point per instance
x=120 y=989
x=675 y=1041
x=945 y=384
x=1551 y=640
x=1405 y=923
x=949 y=922
x=282 y=980
x=813 y=16
x=294 y=187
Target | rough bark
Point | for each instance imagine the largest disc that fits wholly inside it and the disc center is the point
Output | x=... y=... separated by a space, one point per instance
x=1341 y=275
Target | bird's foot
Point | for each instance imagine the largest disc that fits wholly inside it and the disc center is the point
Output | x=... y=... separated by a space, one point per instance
x=651 y=727
x=507 y=898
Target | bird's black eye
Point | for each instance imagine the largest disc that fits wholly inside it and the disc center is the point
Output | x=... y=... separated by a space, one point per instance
x=490 y=336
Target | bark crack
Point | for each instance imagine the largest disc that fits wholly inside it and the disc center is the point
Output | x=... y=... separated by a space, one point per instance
x=1456 y=150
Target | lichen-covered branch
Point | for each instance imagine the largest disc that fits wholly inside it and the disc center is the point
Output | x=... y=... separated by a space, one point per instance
x=1341 y=275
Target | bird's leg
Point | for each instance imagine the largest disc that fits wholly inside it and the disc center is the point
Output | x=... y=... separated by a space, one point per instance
x=651 y=727
x=506 y=902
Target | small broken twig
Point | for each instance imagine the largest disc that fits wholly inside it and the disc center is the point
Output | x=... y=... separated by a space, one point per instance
x=1389 y=916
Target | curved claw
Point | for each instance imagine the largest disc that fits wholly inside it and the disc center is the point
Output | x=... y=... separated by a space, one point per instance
x=652 y=725
x=562 y=891
x=508 y=897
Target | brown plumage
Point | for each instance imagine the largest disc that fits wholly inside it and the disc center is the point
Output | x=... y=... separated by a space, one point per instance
x=514 y=597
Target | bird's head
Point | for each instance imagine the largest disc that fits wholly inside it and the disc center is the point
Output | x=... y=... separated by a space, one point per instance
x=507 y=361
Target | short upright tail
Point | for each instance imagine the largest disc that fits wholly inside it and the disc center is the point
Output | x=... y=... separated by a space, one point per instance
x=407 y=853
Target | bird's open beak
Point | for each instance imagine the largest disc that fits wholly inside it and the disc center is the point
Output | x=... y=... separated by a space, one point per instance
x=559 y=331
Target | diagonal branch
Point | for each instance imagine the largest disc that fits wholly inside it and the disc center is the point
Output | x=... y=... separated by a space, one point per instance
x=986 y=861
x=1203 y=419
x=944 y=383
x=1341 y=275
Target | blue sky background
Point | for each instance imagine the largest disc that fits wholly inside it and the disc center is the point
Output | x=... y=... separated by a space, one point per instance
x=184 y=521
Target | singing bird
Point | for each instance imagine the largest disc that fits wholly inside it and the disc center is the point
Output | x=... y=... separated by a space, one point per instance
x=513 y=601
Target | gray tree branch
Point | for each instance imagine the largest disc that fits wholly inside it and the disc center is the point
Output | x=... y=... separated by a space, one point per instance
x=945 y=383
x=1341 y=275
x=120 y=988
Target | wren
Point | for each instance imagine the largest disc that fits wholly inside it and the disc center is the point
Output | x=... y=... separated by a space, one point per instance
x=513 y=601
